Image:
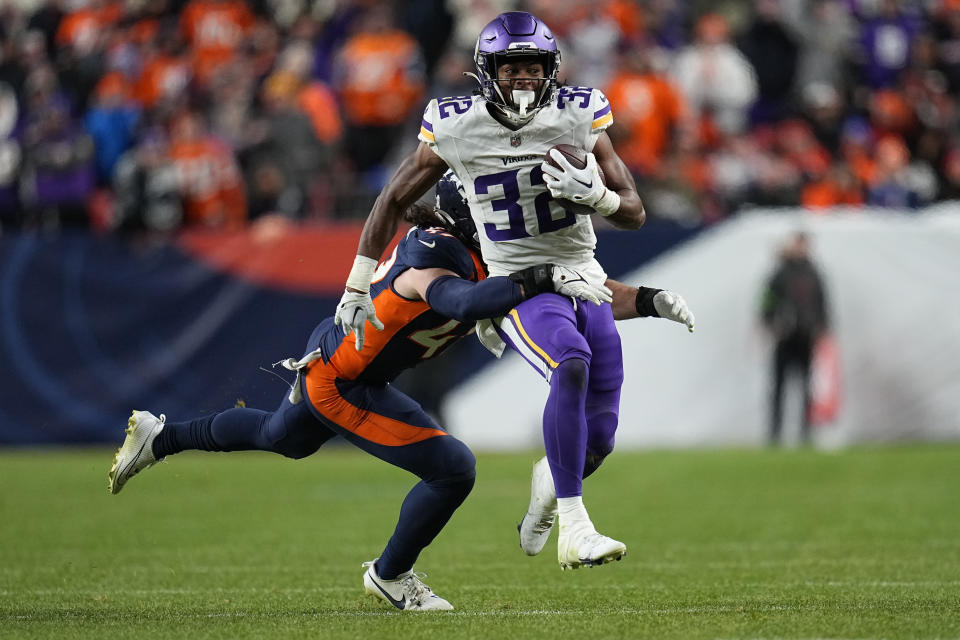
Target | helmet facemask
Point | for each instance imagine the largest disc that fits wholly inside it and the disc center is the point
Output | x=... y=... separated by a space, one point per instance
x=523 y=102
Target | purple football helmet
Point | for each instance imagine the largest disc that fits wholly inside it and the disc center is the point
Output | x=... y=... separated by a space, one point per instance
x=512 y=35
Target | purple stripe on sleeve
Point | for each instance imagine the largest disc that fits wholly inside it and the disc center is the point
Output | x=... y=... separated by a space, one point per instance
x=429 y=127
x=602 y=112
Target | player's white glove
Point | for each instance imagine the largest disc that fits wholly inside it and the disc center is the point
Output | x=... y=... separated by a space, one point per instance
x=582 y=186
x=354 y=310
x=568 y=282
x=554 y=278
x=673 y=307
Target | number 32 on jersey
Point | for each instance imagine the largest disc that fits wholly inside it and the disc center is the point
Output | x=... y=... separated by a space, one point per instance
x=510 y=183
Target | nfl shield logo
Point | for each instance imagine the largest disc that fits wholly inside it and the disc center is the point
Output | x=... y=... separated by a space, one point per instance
x=515 y=140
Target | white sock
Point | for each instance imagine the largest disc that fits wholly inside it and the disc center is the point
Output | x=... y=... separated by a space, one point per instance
x=571 y=510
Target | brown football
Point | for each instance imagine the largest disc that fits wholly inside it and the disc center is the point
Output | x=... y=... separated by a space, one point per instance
x=578 y=158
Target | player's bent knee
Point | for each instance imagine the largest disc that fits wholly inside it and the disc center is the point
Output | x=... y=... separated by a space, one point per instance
x=300 y=443
x=293 y=432
x=455 y=464
x=572 y=374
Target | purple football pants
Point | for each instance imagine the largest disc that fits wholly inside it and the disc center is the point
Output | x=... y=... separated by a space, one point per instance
x=579 y=354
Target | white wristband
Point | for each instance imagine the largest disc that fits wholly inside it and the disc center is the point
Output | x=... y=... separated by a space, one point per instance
x=362 y=273
x=608 y=204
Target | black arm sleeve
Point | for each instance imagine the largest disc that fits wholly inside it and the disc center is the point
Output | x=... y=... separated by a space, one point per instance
x=471 y=301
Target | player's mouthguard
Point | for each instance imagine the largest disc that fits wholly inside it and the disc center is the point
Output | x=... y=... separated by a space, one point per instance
x=523 y=98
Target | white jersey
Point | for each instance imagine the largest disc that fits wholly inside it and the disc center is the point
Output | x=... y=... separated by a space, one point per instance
x=518 y=222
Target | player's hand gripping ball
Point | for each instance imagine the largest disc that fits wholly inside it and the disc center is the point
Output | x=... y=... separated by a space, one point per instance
x=575 y=185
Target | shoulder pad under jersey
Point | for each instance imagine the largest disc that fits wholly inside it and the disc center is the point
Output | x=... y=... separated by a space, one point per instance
x=445 y=110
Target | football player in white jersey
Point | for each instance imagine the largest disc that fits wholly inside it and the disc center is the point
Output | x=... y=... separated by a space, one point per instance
x=496 y=144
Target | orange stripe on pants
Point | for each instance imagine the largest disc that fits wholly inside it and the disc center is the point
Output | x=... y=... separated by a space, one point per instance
x=327 y=400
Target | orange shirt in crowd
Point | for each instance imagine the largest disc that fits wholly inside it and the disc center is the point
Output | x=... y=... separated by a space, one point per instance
x=211 y=187
x=649 y=108
x=215 y=29
x=81 y=29
x=565 y=16
x=378 y=85
x=827 y=193
x=320 y=105
x=144 y=31
x=861 y=164
x=629 y=16
x=162 y=75
x=113 y=86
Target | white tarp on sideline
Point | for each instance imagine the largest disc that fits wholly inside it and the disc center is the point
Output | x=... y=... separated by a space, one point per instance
x=893 y=283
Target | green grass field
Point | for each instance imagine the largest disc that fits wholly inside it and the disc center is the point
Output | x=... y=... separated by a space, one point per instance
x=722 y=544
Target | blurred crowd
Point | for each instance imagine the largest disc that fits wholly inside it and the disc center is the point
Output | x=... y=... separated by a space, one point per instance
x=158 y=114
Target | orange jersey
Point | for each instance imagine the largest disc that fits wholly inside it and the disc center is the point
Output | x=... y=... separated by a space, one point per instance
x=161 y=76
x=649 y=108
x=210 y=184
x=826 y=193
x=81 y=29
x=349 y=387
x=380 y=85
x=413 y=332
x=215 y=30
x=629 y=17
x=320 y=105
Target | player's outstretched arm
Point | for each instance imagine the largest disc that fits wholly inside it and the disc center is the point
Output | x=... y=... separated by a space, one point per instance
x=642 y=302
x=467 y=301
x=450 y=295
x=416 y=174
x=630 y=214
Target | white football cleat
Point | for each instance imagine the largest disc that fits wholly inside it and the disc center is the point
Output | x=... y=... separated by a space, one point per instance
x=580 y=545
x=136 y=454
x=542 y=513
x=406 y=592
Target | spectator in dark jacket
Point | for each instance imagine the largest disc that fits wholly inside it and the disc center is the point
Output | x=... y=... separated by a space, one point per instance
x=794 y=310
x=773 y=52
